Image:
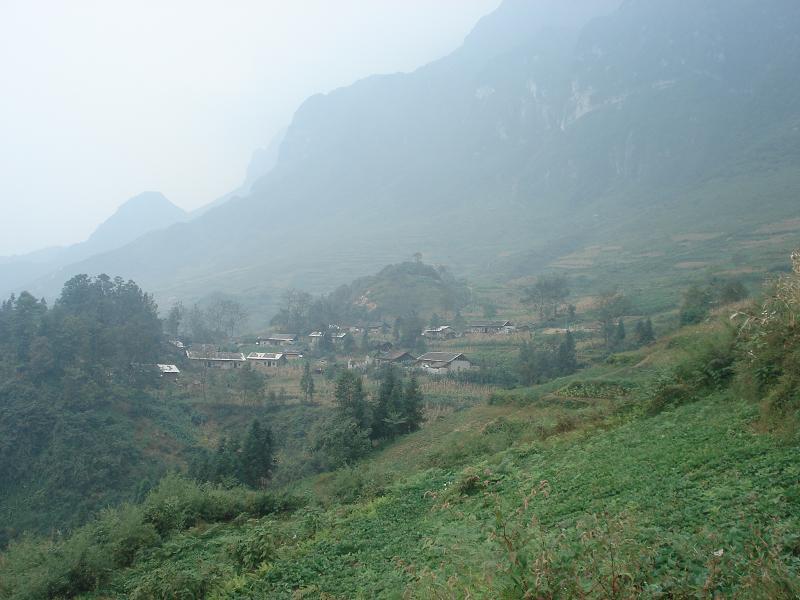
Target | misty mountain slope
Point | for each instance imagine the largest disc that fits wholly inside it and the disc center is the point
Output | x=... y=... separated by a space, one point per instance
x=262 y=161
x=536 y=138
x=145 y=212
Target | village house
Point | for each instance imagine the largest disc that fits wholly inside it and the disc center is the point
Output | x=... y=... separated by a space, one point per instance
x=293 y=354
x=396 y=357
x=217 y=360
x=370 y=328
x=492 y=327
x=337 y=336
x=444 y=332
x=168 y=371
x=443 y=363
x=278 y=339
x=361 y=365
x=266 y=361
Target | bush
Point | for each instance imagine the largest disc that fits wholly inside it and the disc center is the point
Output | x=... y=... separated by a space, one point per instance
x=68 y=567
x=178 y=503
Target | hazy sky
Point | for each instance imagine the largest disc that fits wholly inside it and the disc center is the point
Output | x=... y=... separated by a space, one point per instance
x=104 y=99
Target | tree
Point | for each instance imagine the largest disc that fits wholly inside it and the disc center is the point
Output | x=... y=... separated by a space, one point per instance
x=307 y=383
x=256 y=456
x=620 y=335
x=489 y=310
x=547 y=294
x=350 y=398
x=225 y=316
x=338 y=441
x=398 y=408
x=174 y=319
x=348 y=344
x=365 y=347
x=294 y=314
x=198 y=327
x=732 y=291
x=696 y=305
x=611 y=306
x=410 y=329
x=251 y=382
x=226 y=462
x=567 y=355
x=413 y=407
x=459 y=322
x=644 y=332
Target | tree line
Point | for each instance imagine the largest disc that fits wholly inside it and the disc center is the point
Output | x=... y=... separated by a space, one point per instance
x=397 y=408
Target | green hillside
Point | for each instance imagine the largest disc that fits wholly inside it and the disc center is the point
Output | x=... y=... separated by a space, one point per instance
x=664 y=471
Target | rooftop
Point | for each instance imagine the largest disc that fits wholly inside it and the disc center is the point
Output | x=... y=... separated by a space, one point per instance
x=497 y=324
x=218 y=356
x=442 y=357
x=265 y=356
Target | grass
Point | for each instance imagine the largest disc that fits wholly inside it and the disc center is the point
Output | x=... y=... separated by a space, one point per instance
x=568 y=490
x=682 y=486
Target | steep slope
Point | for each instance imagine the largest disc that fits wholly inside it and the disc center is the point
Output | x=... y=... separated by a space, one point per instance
x=261 y=163
x=541 y=137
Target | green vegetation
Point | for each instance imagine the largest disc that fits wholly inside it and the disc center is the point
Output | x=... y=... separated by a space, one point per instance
x=67 y=446
x=651 y=477
x=402 y=291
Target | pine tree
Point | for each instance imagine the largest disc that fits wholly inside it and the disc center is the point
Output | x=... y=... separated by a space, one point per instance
x=567 y=356
x=307 y=383
x=619 y=333
x=644 y=332
x=387 y=413
x=351 y=399
x=365 y=340
x=413 y=408
x=256 y=456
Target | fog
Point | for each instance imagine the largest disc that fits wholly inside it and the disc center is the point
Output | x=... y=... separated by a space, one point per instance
x=103 y=100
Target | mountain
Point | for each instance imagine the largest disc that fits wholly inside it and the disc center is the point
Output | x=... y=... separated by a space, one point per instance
x=141 y=214
x=550 y=137
x=149 y=211
x=261 y=163
x=146 y=212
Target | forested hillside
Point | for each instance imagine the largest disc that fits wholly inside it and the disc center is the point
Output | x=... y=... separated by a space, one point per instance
x=73 y=392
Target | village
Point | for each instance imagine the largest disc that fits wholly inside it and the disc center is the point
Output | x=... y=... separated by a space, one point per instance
x=278 y=350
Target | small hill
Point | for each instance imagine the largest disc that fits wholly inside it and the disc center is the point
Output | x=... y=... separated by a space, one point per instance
x=404 y=288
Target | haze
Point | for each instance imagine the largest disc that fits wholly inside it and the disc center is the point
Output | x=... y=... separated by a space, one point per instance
x=105 y=100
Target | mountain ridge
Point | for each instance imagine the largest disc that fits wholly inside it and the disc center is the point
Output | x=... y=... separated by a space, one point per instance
x=487 y=157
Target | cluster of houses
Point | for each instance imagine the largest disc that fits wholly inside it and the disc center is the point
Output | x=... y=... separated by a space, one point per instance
x=446 y=332
x=261 y=361
x=338 y=334
x=435 y=363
